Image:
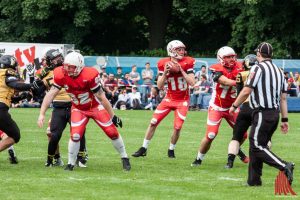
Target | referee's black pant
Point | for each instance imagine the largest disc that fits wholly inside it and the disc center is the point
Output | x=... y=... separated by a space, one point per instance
x=264 y=124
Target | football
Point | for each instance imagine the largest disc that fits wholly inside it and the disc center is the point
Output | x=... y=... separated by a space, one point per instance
x=174 y=67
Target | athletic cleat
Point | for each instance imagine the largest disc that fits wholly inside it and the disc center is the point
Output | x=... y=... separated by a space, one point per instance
x=229 y=165
x=288 y=171
x=196 y=163
x=81 y=162
x=69 y=167
x=58 y=162
x=48 y=164
x=246 y=159
x=171 y=153
x=12 y=157
x=141 y=152
x=126 y=164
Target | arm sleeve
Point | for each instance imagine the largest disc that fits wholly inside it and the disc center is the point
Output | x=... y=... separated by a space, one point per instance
x=95 y=83
x=15 y=83
x=216 y=75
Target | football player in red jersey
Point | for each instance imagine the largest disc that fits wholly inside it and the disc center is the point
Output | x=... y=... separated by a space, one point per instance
x=224 y=94
x=177 y=97
x=88 y=101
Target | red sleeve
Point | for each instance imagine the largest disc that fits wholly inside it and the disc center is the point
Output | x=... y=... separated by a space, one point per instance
x=191 y=63
x=216 y=68
x=161 y=64
x=94 y=80
x=58 y=77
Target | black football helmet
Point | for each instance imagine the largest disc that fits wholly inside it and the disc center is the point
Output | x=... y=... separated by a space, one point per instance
x=249 y=61
x=8 y=61
x=54 y=58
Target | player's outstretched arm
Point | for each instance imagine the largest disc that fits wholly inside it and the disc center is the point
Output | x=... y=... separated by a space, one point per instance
x=226 y=81
x=46 y=103
x=100 y=95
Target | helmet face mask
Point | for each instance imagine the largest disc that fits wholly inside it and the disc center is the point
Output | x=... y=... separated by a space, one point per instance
x=227 y=56
x=249 y=61
x=53 y=58
x=73 y=64
x=176 y=49
x=8 y=61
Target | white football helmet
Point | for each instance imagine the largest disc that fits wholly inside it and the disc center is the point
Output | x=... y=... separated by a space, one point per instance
x=171 y=49
x=73 y=63
x=226 y=51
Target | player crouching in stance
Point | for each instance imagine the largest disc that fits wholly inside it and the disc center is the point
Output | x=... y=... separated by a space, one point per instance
x=243 y=120
x=224 y=94
x=88 y=101
x=9 y=82
x=177 y=71
x=61 y=110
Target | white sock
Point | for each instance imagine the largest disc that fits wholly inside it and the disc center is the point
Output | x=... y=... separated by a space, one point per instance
x=73 y=151
x=172 y=146
x=11 y=147
x=200 y=156
x=120 y=147
x=146 y=143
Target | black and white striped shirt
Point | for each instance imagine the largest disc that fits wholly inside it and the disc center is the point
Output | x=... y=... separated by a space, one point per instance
x=268 y=82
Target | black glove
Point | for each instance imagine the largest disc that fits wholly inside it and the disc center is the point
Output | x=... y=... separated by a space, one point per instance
x=117 y=121
x=37 y=84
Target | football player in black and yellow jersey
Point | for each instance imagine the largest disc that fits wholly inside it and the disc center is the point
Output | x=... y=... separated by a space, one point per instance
x=243 y=120
x=9 y=83
x=61 y=111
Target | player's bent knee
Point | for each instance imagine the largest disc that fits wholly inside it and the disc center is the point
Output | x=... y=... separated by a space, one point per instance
x=211 y=135
x=113 y=135
x=153 y=122
x=16 y=136
x=75 y=137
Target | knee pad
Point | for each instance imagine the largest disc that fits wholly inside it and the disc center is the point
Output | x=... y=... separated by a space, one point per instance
x=211 y=135
x=75 y=137
x=153 y=121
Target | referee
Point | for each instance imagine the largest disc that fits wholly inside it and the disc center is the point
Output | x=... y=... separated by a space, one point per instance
x=268 y=88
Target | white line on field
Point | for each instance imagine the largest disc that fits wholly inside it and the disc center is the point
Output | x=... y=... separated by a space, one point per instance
x=230 y=179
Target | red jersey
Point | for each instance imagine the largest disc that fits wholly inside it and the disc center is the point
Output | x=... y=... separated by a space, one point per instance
x=81 y=88
x=177 y=86
x=223 y=96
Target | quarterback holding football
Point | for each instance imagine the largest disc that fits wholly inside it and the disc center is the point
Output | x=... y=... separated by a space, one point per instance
x=177 y=71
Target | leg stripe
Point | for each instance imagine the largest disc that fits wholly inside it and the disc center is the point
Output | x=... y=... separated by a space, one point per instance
x=260 y=147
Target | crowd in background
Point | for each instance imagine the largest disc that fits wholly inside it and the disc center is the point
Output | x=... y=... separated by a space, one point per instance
x=138 y=91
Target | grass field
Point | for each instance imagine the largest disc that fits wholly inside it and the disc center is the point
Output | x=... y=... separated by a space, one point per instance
x=151 y=177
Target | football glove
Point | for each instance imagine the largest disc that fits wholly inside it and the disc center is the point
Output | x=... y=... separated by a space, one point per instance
x=37 y=84
x=117 y=121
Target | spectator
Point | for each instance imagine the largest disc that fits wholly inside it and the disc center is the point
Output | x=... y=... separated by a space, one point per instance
x=153 y=100
x=201 y=71
x=147 y=75
x=135 y=99
x=204 y=94
x=126 y=83
x=119 y=75
x=122 y=102
x=134 y=75
x=111 y=88
x=292 y=88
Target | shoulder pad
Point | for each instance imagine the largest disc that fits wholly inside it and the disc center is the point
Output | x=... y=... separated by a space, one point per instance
x=216 y=68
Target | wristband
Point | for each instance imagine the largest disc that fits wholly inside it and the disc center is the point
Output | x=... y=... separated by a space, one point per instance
x=235 y=107
x=284 y=119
